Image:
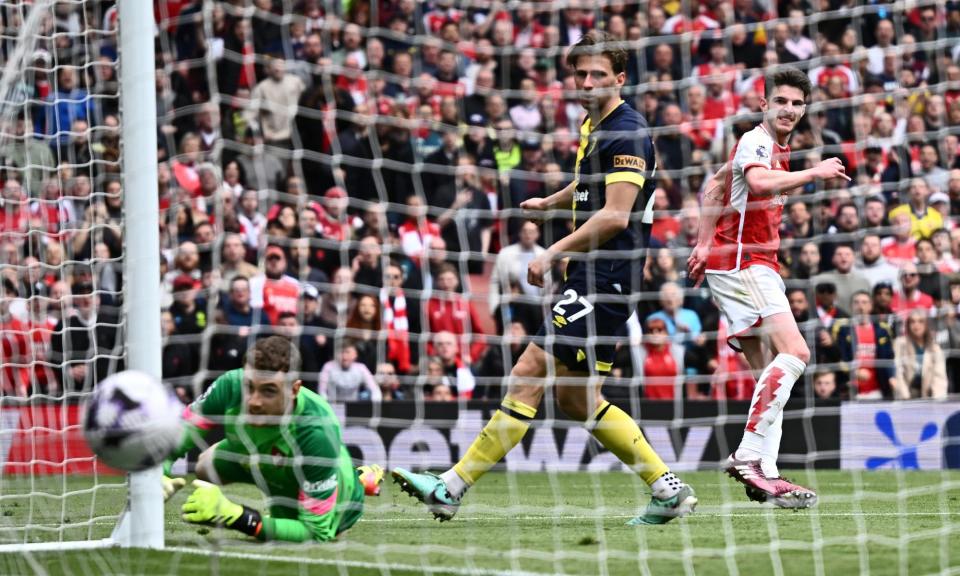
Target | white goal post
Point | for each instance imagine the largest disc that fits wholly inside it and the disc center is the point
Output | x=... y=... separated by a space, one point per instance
x=142 y=238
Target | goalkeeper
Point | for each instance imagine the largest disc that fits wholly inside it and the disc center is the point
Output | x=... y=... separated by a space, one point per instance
x=280 y=437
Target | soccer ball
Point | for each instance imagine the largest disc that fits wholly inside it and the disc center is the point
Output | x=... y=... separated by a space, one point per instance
x=132 y=421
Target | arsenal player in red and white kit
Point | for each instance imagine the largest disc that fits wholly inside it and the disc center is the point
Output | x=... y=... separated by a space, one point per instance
x=737 y=252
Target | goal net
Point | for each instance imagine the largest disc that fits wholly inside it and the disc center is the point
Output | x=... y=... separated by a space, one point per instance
x=74 y=280
x=357 y=176
x=62 y=286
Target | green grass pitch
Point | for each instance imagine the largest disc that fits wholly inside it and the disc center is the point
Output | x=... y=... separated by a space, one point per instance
x=534 y=523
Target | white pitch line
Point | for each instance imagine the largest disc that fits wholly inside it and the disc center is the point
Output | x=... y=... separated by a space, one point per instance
x=577 y=517
x=424 y=569
x=693 y=517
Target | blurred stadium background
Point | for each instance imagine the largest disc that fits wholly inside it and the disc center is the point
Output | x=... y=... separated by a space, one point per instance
x=310 y=146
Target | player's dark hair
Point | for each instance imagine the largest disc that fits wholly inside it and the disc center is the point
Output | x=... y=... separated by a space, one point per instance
x=274 y=354
x=599 y=42
x=789 y=76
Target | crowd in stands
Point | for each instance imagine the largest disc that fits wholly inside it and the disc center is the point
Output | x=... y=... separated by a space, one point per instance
x=349 y=174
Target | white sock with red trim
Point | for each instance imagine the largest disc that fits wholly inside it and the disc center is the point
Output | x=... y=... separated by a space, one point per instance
x=771 y=448
x=769 y=398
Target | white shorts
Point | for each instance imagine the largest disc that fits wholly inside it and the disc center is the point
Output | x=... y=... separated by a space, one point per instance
x=746 y=297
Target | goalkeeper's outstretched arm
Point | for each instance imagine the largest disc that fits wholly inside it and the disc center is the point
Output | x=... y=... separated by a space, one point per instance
x=224 y=391
x=208 y=505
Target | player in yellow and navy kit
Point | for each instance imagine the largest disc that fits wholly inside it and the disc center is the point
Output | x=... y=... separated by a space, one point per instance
x=611 y=196
x=615 y=150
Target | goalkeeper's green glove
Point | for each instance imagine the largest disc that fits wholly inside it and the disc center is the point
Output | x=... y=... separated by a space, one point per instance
x=171 y=486
x=208 y=505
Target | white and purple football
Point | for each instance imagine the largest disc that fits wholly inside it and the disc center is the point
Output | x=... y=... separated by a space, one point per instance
x=132 y=421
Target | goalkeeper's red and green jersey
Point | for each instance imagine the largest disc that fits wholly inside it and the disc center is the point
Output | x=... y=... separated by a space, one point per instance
x=301 y=464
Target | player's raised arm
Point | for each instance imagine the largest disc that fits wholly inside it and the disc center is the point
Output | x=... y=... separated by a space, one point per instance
x=710 y=211
x=766 y=182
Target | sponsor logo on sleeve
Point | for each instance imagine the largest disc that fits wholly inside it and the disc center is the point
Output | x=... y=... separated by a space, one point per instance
x=320 y=486
x=635 y=162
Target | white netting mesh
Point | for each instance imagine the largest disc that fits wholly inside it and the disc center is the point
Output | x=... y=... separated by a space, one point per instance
x=350 y=174
x=62 y=254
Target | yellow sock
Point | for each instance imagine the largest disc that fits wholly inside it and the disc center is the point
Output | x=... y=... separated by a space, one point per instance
x=616 y=430
x=499 y=436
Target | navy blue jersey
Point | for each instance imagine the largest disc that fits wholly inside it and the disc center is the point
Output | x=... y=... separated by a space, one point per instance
x=590 y=314
x=618 y=149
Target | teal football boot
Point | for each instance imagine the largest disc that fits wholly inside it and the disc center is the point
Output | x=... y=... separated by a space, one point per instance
x=662 y=511
x=429 y=489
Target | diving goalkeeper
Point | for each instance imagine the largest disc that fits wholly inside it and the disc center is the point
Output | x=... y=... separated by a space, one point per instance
x=280 y=437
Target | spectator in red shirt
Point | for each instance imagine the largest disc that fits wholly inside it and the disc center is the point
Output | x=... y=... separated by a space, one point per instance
x=15 y=346
x=332 y=216
x=418 y=231
x=733 y=377
x=901 y=247
x=41 y=323
x=527 y=31
x=450 y=311
x=717 y=66
x=274 y=291
x=832 y=67
x=696 y=125
x=660 y=362
x=721 y=102
x=665 y=227
x=14 y=217
x=396 y=313
x=910 y=297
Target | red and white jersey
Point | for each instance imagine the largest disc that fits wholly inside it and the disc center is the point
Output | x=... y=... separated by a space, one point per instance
x=748 y=231
x=821 y=75
x=275 y=296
